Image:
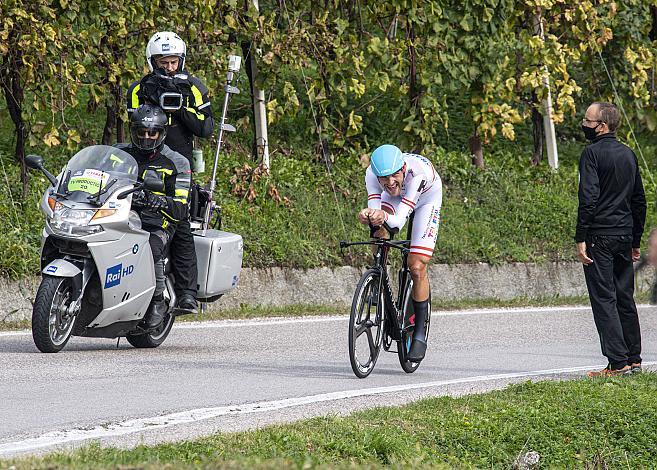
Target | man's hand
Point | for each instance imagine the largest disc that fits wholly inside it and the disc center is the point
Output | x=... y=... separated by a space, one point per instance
x=375 y=217
x=636 y=254
x=149 y=201
x=581 y=254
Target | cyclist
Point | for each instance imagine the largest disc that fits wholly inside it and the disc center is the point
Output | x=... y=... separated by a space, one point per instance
x=399 y=184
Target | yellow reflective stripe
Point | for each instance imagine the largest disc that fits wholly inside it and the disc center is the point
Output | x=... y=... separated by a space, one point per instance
x=199 y=116
x=135 y=98
x=165 y=223
x=168 y=217
x=114 y=158
x=159 y=194
x=182 y=192
x=198 y=97
x=166 y=171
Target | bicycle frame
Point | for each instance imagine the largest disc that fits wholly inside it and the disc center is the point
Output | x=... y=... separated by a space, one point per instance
x=393 y=307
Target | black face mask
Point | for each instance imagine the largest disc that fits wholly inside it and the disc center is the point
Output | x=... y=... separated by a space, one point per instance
x=589 y=132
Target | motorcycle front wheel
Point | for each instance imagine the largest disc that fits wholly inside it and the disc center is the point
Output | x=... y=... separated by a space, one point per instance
x=52 y=321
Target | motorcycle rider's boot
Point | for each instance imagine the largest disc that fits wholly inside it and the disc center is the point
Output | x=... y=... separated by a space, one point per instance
x=155 y=314
x=186 y=305
x=419 y=344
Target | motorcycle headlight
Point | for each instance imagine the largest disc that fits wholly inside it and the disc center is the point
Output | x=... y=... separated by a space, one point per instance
x=73 y=222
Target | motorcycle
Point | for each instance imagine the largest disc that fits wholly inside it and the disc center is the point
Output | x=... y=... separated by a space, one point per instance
x=97 y=267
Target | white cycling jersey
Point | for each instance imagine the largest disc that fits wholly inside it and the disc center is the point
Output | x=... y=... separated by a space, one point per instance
x=421 y=192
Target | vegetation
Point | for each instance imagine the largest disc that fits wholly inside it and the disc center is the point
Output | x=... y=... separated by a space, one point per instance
x=445 y=78
x=602 y=423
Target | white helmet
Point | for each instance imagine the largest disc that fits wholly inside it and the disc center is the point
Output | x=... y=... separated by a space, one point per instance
x=165 y=44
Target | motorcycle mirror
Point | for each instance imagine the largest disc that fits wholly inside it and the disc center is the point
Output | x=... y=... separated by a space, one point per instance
x=138 y=186
x=34 y=161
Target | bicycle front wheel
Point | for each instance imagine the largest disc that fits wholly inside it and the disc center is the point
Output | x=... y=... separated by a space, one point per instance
x=366 y=324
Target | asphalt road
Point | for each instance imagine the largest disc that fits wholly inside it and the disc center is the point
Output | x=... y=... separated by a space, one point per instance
x=234 y=375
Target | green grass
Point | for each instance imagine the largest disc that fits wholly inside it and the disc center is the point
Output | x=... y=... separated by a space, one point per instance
x=601 y=423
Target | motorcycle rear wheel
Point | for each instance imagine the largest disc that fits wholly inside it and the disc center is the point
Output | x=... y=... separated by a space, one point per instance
x=154 y=338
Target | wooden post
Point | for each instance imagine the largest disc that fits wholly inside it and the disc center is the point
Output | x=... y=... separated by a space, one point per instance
x=548 y=123
x=259 y=111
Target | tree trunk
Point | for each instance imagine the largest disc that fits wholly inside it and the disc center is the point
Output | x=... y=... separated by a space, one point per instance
x=110 y=120
x=537 y=131
x=414 y=90
x=322 y=117
x=14 y=95
x=476 y=150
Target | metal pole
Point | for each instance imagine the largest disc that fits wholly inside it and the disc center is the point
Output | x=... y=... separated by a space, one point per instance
x=233 y=67
x=229 y=79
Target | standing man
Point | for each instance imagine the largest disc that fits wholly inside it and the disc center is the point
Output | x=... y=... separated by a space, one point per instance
x=165 y=56
x=610 y=220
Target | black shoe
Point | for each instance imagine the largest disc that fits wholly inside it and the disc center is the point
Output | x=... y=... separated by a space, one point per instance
x=418 y=349
x=155 y=314
x=186 y=305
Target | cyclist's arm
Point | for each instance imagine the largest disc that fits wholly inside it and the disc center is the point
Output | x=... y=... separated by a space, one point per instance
x=374 y=190
x=408 y=203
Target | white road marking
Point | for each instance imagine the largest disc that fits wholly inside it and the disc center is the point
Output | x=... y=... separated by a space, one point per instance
x=158 y=422
x=332 y=318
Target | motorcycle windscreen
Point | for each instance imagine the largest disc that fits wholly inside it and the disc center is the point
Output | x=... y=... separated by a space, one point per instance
x=94 y=171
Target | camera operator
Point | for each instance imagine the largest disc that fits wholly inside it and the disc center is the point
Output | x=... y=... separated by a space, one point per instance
x=185 y=99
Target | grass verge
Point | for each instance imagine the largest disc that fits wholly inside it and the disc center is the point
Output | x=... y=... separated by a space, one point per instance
x=602 y=423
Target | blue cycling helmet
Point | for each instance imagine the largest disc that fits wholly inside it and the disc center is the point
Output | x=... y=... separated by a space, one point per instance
x=386 y=160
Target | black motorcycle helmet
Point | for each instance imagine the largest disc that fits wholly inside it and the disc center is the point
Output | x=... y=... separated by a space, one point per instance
x=148 y=128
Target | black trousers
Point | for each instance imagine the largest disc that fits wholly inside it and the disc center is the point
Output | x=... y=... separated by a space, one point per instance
x=159 y=240
x=610 y=282
x=183 y=260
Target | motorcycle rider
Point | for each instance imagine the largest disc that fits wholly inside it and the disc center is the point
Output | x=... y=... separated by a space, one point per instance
x=165 y=56
x=160 y=213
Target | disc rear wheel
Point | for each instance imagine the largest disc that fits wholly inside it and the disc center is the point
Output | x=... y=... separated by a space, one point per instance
x=404 y=345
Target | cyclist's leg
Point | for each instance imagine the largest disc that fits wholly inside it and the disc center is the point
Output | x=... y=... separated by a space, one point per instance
x=423 y=241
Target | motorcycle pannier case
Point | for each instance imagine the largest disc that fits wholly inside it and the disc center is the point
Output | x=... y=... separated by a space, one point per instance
x=219 y=256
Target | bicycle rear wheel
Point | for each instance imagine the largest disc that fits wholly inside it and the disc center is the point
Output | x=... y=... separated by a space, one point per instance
x=404 y=346
x=366 y=324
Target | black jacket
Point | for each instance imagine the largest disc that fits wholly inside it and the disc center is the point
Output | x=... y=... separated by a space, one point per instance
x=193 y=119
x=611 y=196
x=174 y=171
